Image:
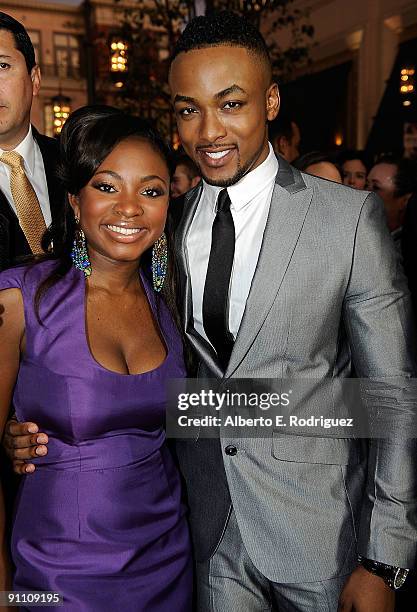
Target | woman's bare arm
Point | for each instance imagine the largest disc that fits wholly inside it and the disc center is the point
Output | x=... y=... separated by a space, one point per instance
x=12 y=329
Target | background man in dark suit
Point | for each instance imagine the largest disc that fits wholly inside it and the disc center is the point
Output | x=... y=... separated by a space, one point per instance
x=285 y=137
x=37 y=156
x=19 y=82
x=394 y=180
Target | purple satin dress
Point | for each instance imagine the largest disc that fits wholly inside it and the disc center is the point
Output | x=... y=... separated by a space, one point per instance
x=101 y=519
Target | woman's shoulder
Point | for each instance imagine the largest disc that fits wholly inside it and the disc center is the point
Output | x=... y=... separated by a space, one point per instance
x=26 y=276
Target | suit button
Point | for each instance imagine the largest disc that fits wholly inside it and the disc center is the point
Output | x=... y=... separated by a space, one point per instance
x=230 y=450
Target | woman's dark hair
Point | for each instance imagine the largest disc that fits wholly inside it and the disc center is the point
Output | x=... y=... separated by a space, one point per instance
x=314 y=157
x=353 y=154
x=87 y=138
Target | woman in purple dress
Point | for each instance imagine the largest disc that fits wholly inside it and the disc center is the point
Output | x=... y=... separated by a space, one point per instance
x=86 y=346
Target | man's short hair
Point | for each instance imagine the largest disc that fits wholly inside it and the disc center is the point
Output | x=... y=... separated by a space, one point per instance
x=405 y=179
x=191 y=169
x=21 y=38
x=222 y=28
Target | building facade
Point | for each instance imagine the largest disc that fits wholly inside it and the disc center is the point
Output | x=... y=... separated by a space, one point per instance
x=57 y=33
x=362 y=40
x=338 y=97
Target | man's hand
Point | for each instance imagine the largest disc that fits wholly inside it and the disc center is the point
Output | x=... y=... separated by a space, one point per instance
x=365 y=592
x=23 y=441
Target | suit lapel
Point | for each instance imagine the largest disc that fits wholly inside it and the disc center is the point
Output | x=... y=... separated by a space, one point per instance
x=199 y=344
x=50 y=151
x=15 y=237
x=190 y=206
x=289 y=205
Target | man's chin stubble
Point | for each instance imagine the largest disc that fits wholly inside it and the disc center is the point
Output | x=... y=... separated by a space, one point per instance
x=227 y=182
x=239 y=174
x=232 y=180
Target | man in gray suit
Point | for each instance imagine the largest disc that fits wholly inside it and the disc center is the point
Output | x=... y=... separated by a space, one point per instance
x=281 y=274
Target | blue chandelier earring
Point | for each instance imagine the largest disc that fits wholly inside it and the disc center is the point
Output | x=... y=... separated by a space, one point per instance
x=79 y=253
x=159 y=262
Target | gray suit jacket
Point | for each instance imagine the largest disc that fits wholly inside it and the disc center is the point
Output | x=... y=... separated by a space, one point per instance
x=328 y=283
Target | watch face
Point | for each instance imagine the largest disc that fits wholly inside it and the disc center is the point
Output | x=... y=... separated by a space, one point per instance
x=399 y=578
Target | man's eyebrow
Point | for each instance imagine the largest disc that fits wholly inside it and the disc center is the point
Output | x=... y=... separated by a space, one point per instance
x=218 y=96
x=4 y=55
x=229 y=90
x=179 y=98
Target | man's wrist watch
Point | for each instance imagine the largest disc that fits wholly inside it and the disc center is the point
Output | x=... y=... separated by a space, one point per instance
x=393 y=576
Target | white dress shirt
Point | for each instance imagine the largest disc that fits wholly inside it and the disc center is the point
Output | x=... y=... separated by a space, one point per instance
x=35 y=172
x=250 y=201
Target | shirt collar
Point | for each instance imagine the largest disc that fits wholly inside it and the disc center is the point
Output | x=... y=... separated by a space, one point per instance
x=250 y=186
x=26 y=149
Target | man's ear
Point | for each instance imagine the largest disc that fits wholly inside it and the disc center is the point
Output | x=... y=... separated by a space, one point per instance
x=402 y=207
x=272 y=102
x=406 y=197
x=74 y=201
x=281 y=145
x=195 y=181
x=35 y=75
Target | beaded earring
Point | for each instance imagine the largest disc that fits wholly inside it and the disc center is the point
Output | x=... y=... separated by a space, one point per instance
x=159 y=262
x=79 y=253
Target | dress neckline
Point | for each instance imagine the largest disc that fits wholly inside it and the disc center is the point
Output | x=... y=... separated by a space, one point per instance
x=152 y=305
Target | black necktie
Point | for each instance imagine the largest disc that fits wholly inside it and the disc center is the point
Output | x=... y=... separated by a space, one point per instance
x=216 y=288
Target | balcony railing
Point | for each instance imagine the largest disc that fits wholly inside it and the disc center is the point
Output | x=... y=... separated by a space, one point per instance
x=61 y=71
